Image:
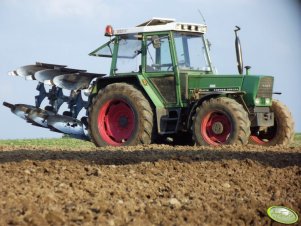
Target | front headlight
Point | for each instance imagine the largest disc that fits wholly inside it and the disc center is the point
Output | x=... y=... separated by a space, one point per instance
x=257 y=101
x=267 y=101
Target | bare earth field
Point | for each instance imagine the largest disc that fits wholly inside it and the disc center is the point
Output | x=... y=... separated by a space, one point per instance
x=68 y=182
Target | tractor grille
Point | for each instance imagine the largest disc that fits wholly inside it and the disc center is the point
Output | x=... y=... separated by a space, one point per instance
x=265 y=89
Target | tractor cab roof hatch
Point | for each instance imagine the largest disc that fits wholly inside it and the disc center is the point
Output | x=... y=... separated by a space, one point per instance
x=156 y=21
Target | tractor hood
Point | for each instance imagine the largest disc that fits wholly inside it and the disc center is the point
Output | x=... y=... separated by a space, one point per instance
x=258 y=89
x=215 y=82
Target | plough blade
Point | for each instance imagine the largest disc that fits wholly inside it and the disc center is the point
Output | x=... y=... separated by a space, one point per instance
x=28 y=71
x=47 y=119
x=54 y=74
x=67 y=125
x=46 y=75
x=20 y=110
x=39 y=117
x=75 y=81
x=59 y=77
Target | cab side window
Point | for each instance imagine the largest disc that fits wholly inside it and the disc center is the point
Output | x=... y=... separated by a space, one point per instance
x=158 y=57
x=129 y=54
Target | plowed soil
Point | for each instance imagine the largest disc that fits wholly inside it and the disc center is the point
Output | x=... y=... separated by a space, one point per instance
x=147 y=185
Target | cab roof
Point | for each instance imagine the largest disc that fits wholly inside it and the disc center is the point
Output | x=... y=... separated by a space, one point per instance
x=162 y=24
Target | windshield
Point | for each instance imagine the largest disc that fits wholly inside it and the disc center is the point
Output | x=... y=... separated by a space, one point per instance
x=191 y=53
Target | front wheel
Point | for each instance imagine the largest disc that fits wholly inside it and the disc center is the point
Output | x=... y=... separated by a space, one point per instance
x=281 y=133
x=120 y=115
x=221 y=121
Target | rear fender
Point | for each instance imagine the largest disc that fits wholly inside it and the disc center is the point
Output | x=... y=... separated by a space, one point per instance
x=136 y=80
x=100 y=83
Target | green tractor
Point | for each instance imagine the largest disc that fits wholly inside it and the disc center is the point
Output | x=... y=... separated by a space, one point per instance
x=161 y=86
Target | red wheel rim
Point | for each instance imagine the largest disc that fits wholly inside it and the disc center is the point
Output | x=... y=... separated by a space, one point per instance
x=263 y=137
x=116 y=122
x=216 y=128
x=257 y=140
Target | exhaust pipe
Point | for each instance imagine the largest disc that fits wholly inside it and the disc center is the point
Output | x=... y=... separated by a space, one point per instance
x=240 y=65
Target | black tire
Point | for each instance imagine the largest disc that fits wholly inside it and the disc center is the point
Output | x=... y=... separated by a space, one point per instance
x=120 y=110
x=221 y=121
x=282 y=133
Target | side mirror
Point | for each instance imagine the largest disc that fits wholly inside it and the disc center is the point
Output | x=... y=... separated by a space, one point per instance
x=156 y=41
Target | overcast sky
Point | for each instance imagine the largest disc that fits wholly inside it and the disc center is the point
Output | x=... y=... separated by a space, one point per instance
x=65 y=31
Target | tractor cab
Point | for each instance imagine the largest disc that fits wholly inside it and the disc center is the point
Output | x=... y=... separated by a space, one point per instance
x=161 y=53
x=157 y=46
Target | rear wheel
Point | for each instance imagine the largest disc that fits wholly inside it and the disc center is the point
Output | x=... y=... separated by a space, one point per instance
x=120 y=115
x=221 y=121
x=282 y=133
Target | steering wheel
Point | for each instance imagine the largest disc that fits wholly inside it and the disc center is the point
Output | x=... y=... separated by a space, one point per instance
x=169 y=67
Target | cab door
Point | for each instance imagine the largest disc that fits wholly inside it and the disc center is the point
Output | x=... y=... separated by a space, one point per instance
x=159 y=67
